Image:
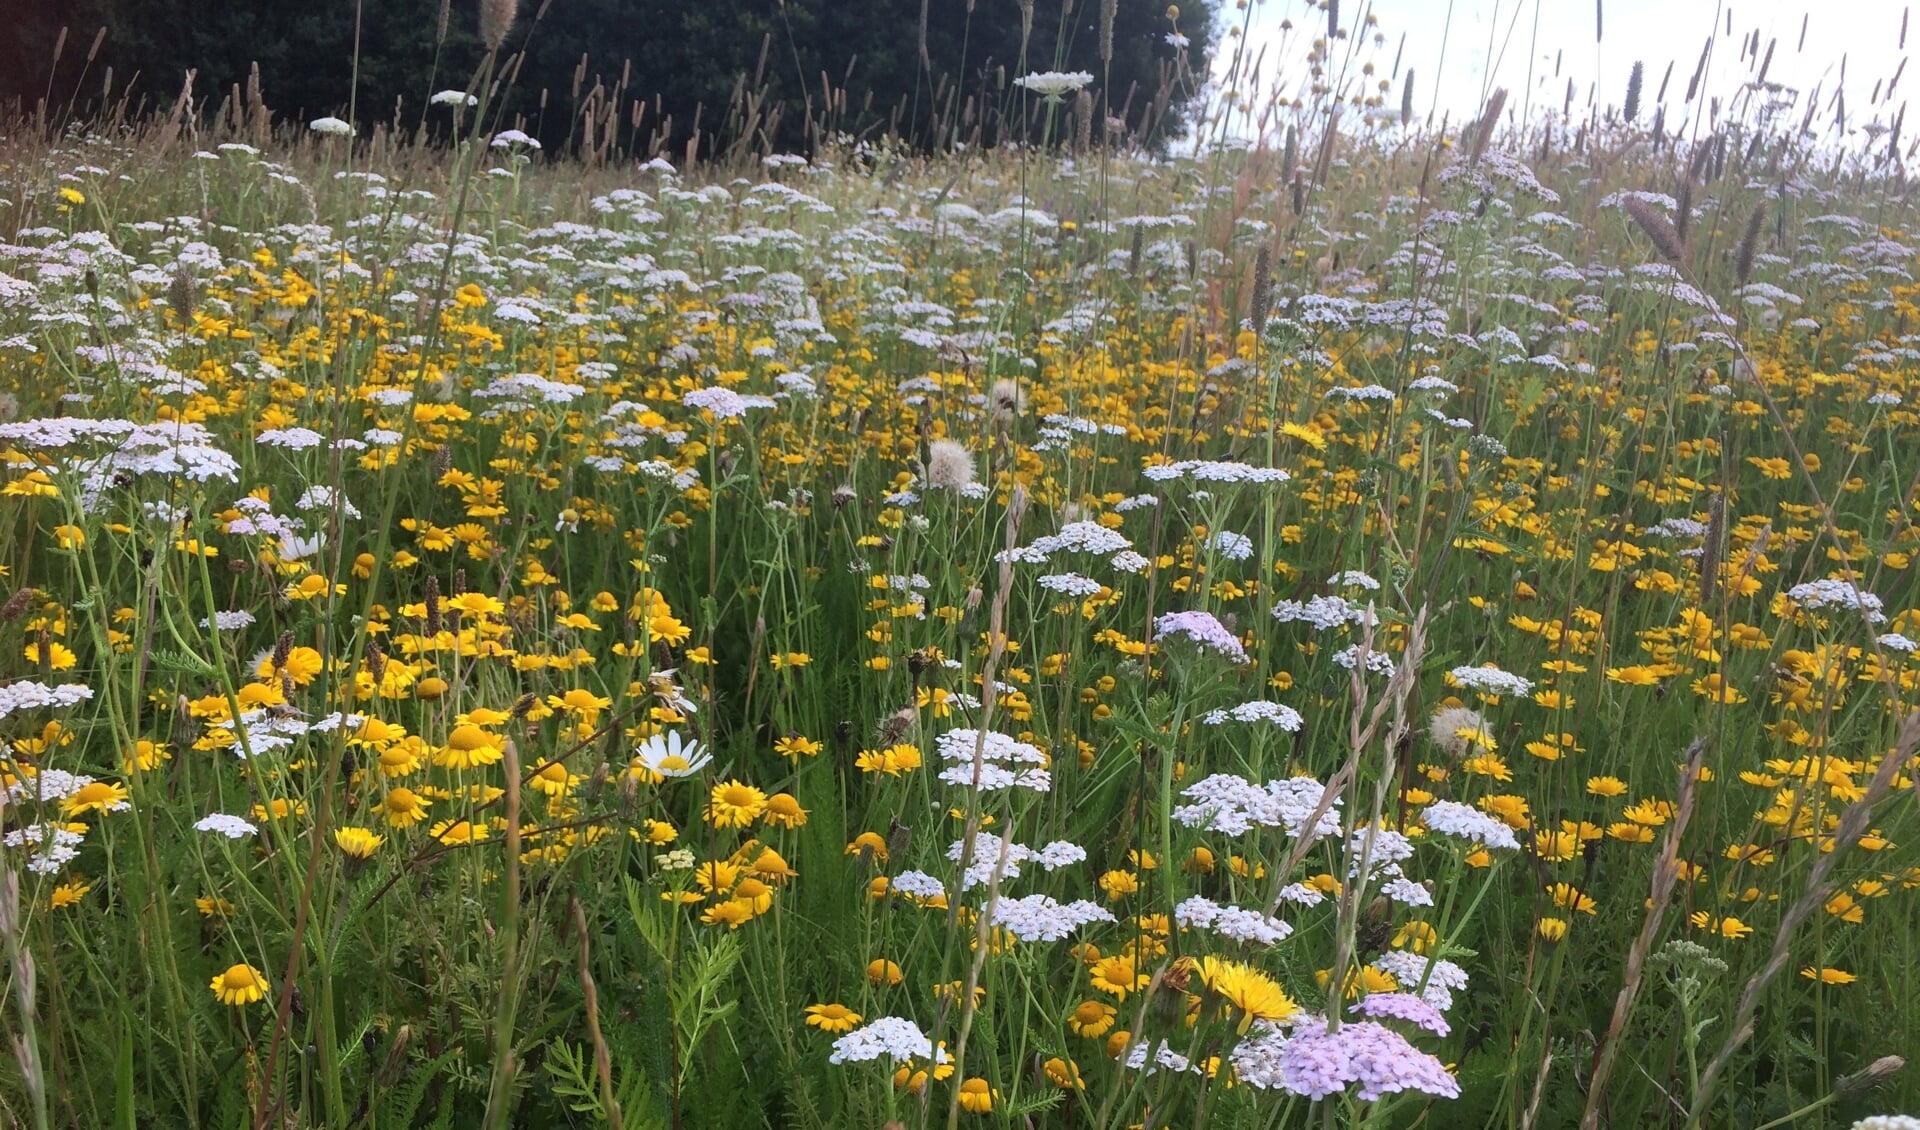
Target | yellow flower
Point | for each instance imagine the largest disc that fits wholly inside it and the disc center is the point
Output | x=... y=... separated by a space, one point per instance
x=1827 y=975
x=1116 y=977
x=976 y=1096
x=1552 y=929
x=880 y=971
x=468 y=747
x=769 y=864
x=96 y=796
x=832 y=1017
x=735 y=804
x=1091 y=1019
x=303 y=664
x=239 y=985
x=1064 y=1073
x=1634 y=676
x=1119 y=884
x=458 y=832
x=1725 y=927
x=1306 y=433
x=357 y=843
x=794 y=747
x=893 y=761
x=60 y=657
x=68 y=894
x=1252 y=993
x=1568 y=897
x=784 y=811
x=404 y=808
x=731 y=914
x=553 y=779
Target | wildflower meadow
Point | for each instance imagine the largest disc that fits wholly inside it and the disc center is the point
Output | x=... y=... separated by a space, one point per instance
x=1381 y=626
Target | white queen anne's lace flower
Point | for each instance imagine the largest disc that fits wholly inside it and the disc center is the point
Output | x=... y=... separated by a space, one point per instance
x=1038 y=918
x=232 y=827
x=889 y=1036
x=1464 y=822
x=1491 y=680
x=1829 y=593
x=28 y=695
x=1054 y=84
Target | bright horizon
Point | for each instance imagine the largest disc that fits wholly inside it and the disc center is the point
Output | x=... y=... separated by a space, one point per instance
x=1460 y=50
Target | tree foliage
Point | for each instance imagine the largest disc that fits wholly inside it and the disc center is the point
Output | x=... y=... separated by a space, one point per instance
x=936 y=72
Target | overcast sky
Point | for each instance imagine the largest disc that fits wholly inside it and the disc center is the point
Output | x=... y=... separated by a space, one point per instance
x=1460 y=48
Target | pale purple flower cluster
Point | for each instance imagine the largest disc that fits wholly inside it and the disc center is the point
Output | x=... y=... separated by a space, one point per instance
x=1315 y=1062
x=1404 y=1006
x=1204 y=629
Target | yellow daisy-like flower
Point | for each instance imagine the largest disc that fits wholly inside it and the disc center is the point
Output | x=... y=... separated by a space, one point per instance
x=553 y=779
x=794 y=747
x=69 y=893
x=1091 y=1019
x=976 y=1096
x=357 y=843
x=97 y=796
x=469 y=747
x=834 y=1018
x=731 y=914
x=735 y=804
x=240 y=985
x=303 y=664
x=1252 y=993
x=1827 y=975
x=404 y=808
x=60 y=657
x=145 y=756
x=458 y=832
x=1116 y=977
x=784 y=811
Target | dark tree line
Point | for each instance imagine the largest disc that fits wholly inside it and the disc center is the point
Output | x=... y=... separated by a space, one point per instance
x=644 y=71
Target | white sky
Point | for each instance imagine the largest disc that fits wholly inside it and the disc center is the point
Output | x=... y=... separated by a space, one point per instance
x=1489 y=43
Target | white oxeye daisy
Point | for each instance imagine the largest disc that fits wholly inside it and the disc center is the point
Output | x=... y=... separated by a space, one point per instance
x=668 y=755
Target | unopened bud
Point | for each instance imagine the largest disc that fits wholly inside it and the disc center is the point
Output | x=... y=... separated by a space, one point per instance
x=1869 y=1077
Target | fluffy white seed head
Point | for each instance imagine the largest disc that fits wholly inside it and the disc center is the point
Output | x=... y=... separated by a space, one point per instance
x=949 y=465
